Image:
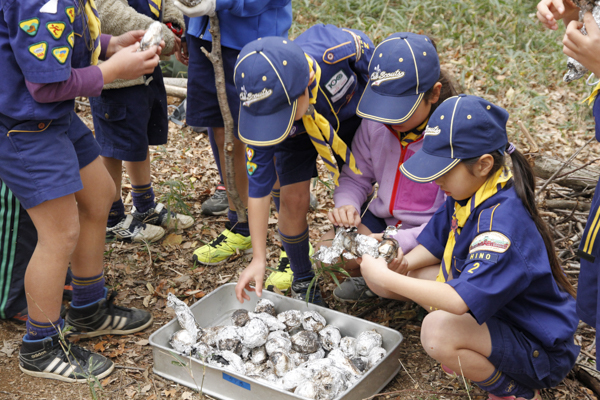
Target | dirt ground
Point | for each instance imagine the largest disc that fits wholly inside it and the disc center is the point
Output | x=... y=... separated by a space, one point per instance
x=143 y=275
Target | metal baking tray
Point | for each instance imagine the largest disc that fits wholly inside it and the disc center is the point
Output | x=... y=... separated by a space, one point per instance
x=216 y=309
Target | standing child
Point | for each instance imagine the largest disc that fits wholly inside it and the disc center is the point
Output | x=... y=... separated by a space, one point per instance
x=500 y=285
x=586 y=50
x=131 y=115
x=405 y=87
x=49 y=51
x=297 y=98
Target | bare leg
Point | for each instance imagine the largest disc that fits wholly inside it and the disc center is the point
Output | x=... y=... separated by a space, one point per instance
x=139 y=171
x=115 y=169
x=295 y=200
x=239 y=164
x=428 y=273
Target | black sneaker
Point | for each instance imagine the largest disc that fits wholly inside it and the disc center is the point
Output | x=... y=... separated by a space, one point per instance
x=300 y=288
x=353 y=290
x=56 y=358
x=130 y=229
x=161 y=216
x=105 y=318
x=218 y=203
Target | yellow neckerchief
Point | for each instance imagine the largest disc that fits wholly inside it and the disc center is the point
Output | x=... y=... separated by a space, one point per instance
x=322 y=134
x=462 y=213
x=93 y=25
x=155 y=6
x=590 y=99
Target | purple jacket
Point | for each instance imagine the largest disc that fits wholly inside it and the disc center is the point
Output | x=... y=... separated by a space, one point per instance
x=378 y=155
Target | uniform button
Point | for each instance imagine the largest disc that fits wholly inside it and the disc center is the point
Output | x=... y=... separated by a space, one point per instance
x=41 y=125
x=106 y=115
x=536 y=353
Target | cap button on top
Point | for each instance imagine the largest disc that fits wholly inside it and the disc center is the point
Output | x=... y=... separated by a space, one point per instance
x=106 y=115
x=41 y=125
x=462 y=95
x=536 y=353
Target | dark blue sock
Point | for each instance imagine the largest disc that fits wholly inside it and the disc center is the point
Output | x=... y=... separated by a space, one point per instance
x=215 y=150
x=39 y=330
x=116 y=214
x=297 y=248
x=502 y=385
x=276 y=199
x=241 y=228
x=87 y=290
x=143 y=197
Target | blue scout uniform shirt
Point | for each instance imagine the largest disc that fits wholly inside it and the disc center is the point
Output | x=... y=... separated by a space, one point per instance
x=500 y=268
x=344 y=56
x=41 y=48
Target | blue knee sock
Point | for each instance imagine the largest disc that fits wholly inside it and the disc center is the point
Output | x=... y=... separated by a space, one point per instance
x=116 y=214
x=297 y=248
x=143 y=197
x=39 y=330
x=276 y=199
x=215 y=151
x=87 y=290
x=502 y=385
x=241 y=228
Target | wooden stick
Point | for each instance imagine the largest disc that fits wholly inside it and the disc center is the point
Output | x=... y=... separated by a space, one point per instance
x=534 y=147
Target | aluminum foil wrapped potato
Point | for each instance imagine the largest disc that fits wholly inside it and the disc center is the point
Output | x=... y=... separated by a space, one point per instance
x=152 y=37
x=576 y=69
x=367 y=341
x=265 y=306
x=351 y=244
x=184 y=315
x=254 y=334
x=190 y=3
x=182 y=341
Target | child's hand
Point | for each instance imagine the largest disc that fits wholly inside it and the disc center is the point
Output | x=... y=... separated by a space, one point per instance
x=345 y=216
x=128 y=63
x=399 y=264
x=373 y=269
x=182 y=55
x=205 y=7
x=125 y=40
x=584 y=48
x=550 y=11
x=255 y=271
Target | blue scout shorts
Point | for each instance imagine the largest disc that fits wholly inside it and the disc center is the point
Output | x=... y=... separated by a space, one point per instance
x=130 y=119
x=202 y=104
x=41 y=159
x=521 y=357
x=296 y=156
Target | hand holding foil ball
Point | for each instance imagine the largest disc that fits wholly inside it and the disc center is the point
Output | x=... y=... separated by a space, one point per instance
x=576 y=69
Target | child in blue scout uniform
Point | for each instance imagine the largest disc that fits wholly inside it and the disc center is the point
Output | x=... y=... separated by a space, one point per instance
x=131 y=115
x=297 y=99
x=586 y=50
x=50 y=162
x=240 y=22
x=406 y=85
x=502 y=309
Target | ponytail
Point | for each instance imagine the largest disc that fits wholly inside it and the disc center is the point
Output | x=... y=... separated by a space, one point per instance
x=449 y=87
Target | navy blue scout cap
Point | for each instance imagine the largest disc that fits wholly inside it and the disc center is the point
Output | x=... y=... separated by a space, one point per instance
x=270 y=74
x=403 y=68
x=461 y=127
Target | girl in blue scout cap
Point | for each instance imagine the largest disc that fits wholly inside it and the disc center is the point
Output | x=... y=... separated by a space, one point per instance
x=406 y=85
x=131 y=115
x=502 y=311
x=49 y=51
x=298 y=100
x=586 y=50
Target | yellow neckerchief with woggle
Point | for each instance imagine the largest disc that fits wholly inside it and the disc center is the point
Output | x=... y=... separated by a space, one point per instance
x=320 y=131
x=461 y=213
x=92 y=20
x=590 y=99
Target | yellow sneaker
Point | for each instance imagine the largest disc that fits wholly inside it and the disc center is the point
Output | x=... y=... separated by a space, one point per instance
x=283 y=277
x=222 y=248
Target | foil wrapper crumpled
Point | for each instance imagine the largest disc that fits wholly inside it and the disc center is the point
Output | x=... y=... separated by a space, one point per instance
x=152 y=37
x=190 y=3
x=576 y=69
x=184 y=315
x=351 y=244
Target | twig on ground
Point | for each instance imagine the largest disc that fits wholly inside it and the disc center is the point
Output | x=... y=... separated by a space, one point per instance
x=534 y=147
x=424 y=392
x=127 y=367
x=374 y=307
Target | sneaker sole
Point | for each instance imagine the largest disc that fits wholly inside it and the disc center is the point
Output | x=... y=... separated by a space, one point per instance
x=353 y=301
x=215 y=213
x=195 y=259
x=49 y=375
x=84 y=335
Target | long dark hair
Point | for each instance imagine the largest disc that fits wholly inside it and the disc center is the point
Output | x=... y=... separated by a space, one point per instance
x=524 y=183
x=449 y=87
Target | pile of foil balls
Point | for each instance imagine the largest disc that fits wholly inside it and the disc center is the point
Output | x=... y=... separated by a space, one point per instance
x=292 y=350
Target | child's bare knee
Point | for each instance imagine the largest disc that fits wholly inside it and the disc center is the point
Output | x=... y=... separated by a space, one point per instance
x=434 y=334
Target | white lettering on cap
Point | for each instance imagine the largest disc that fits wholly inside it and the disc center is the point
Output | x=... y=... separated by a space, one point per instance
x=249 y=98
x=379 y=76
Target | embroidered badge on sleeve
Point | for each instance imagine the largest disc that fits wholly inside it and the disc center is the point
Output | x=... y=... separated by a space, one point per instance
x=61 y=54
x=249 y=153
x=56 y=29
x=490 y=241
x=71 y=39
x=70 y=11
x=30 y=26
x=39 y=50
x=251 y=168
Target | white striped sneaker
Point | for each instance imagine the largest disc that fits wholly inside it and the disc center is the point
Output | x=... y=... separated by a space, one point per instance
x=56 y=358
x=105 y=318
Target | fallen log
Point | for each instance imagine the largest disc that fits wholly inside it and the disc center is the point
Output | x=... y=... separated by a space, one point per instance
x=588 y=377
x=176 y=91
x=179 y=82
x=567 y=204
x=571 y=176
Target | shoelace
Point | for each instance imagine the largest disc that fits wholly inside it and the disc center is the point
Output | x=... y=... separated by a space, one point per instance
x=217 y=241
x=72 y=352
x=284 y=263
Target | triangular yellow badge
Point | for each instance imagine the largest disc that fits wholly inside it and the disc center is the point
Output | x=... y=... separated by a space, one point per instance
x=71 y=39
x=61 y=53
x=56 y=29
x=39 y=50
x=71 y=13
x=30 y=26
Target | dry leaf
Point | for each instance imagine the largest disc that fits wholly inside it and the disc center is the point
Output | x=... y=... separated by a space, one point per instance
x=150 y=287
x=100 y=346
x=146 y=300
x=130 y=393
x=146 y=388
x=169 y=393
x=143 y=342
x=172 y=239
x=187 y=396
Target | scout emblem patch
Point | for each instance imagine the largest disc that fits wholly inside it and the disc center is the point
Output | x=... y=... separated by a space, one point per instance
x=56 y=29
x=30 y=26
x=490 y=241
x=249 y=154
x=61 y=54
x=251 y=167
x=70 y=11
x=39 y=50
x=71 y=39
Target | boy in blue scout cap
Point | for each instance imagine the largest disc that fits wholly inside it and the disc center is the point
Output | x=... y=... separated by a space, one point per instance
x=131 y=115
x=298 y=100
x=406 y=85
x=49 y=51
x=499 y=286
x=586 y=50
